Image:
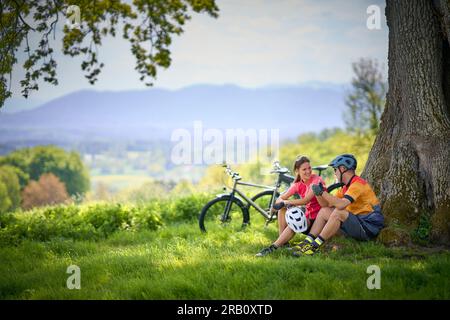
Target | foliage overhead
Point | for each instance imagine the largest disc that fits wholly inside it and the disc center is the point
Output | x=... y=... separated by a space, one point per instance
x=148 y=25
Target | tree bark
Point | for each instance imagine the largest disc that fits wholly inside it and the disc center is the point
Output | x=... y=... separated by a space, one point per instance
x=409 y=164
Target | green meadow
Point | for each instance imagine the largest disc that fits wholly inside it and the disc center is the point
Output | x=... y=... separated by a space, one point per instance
x=167 y=257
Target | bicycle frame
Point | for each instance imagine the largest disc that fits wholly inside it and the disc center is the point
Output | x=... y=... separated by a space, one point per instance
x=234 y=190
x=249 y=201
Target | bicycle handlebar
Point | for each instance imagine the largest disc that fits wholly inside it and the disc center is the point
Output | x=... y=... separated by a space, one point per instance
x=276 y=164
x=231 y=173
x=276 y=169
x=235 y=175
x=283 y=172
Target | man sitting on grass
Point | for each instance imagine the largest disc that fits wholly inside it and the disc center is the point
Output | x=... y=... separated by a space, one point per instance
x=355 y=210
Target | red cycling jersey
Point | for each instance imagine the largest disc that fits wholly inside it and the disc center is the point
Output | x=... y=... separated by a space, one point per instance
x=301 y=188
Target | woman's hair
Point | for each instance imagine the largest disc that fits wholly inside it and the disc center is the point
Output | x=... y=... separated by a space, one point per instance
x=298 y=162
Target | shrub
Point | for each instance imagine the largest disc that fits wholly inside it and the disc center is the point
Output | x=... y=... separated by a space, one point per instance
x=106 y=218
x=146 y=218
x=89 y=222
x=98 y=220
x=49 y=190
x=9 y=189
x=187 y=208
x=421 y=234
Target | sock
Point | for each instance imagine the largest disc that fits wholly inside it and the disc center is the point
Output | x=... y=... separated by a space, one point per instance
x=310 y=238
x=318 y=242
x=274 y=246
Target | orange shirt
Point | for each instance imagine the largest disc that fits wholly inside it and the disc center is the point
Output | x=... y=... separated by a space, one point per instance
x=360 y=194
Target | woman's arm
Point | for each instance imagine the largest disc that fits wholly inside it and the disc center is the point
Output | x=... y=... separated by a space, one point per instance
x=300 y=202
x=286 y=195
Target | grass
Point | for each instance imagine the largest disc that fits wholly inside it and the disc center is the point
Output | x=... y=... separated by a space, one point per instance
x=179 y=262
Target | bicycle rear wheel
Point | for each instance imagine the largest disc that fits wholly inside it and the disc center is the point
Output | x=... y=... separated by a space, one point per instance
x=214 y=216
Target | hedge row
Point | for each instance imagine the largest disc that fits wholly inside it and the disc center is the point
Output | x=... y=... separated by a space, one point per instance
x=96 y=221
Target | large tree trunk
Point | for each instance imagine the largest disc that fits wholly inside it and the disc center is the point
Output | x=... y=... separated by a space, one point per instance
x=409 y=164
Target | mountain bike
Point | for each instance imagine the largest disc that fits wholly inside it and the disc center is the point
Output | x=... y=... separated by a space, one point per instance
x=233 y=209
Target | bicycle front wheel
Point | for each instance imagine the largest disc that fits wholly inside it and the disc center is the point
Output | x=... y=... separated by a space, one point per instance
x=215 y=216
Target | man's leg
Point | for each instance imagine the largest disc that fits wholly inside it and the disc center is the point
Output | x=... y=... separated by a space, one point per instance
x=329 y=223
x=316 y=229
x=334 y=223
x=352 y=227
x=281 y=221
x=321 y=220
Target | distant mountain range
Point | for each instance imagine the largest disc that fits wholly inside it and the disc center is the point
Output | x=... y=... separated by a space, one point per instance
x=154 y=113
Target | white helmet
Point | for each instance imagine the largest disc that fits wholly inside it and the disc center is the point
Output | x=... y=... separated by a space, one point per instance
x=296 y=219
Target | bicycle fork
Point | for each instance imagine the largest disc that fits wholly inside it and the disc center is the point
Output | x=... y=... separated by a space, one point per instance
x=272 y=202
x=226 y=213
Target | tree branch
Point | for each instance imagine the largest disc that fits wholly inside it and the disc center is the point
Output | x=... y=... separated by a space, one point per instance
x=20 y=17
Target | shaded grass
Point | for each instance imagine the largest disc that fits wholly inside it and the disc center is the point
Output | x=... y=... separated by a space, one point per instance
x=179 y=262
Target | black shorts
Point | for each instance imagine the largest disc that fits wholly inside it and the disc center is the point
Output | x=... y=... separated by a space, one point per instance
x=311 y=222
x=352 y=227
x=364 y=226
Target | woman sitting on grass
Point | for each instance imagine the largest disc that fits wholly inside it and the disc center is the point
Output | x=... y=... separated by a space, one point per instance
x=301 y=186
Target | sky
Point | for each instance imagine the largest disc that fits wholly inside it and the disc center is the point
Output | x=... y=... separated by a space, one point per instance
x=253 y=43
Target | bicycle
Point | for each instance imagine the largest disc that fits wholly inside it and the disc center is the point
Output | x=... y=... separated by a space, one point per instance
x=228 y=209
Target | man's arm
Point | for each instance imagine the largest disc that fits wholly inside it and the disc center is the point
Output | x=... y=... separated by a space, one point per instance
x=323 y=203
x=338 y=203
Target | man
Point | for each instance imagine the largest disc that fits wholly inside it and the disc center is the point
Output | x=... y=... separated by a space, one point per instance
x=355 y=210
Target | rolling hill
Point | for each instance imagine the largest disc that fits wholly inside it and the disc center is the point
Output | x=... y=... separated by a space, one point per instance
x=154 y=113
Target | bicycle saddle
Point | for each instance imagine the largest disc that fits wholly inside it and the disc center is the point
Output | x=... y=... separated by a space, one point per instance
x=321 y=168
x=280 y=170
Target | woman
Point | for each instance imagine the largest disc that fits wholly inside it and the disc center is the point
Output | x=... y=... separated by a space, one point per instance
x=301 y=186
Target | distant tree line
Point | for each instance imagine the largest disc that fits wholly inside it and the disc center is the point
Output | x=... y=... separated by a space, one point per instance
x=41 y=175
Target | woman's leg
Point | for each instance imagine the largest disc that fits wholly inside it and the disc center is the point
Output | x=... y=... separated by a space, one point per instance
x=282 y=225
x=284 y=237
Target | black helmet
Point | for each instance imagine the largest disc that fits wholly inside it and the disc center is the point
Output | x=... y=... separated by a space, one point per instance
x=346 y=160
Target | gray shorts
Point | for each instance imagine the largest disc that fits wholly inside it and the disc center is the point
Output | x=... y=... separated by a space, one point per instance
x=352 y=227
